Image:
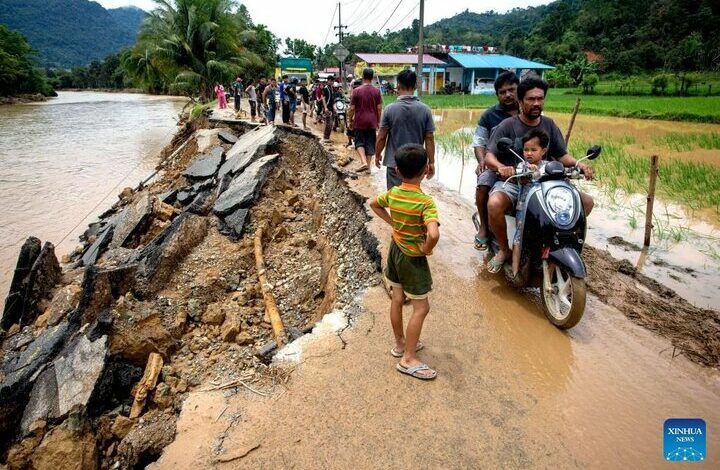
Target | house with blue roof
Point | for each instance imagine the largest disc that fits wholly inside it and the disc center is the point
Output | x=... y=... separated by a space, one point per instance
x=476 y=73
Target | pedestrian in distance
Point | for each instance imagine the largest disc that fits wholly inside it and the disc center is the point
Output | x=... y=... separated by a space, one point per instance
x=261 y=102
x=413 y=217
x=304 y=101
x=220 y=94
x=269 y=98
x=328 y=95
x=406 y=121
x=364 y=117
x=237 y=87
x=292 y=100
x=252 y=99
x=284 y=99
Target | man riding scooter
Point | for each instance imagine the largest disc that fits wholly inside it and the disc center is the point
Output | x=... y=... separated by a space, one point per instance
x=503 y=197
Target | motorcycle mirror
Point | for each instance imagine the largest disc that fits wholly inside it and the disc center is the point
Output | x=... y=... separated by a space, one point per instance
x=593 y=152
x=504 y=144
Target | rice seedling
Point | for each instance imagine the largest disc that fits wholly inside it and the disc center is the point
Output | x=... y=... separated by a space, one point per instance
x=682 y=142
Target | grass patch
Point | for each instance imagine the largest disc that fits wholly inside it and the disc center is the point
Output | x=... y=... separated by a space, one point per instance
x=683 y=142
x=693 y=108
x=198 y=109
x=693 y=184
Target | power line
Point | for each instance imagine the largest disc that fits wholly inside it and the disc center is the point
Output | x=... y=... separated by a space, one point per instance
x=412 y=10
x=389 y=17
x=331 y=25
x=363 y=18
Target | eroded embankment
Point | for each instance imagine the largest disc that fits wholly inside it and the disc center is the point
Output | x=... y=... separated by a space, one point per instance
x=163 y=297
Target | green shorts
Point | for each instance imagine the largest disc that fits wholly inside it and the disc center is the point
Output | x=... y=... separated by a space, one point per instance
x=410 y=273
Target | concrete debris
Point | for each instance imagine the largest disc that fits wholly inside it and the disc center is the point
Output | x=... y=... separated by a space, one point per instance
x=132 y=221
x=245 y=187
x=204 y=166
x=227 y=137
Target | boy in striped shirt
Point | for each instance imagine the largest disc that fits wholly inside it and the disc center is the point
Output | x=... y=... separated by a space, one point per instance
x=414 y=219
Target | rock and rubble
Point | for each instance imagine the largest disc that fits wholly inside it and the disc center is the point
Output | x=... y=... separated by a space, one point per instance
x=170 y=270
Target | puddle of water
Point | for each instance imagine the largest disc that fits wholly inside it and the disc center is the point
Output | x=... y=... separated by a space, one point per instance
x=685 y=251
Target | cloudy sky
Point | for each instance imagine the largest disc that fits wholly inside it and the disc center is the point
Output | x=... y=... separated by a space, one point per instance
x=312 y=20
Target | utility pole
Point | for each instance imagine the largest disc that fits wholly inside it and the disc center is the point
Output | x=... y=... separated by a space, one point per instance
x=420 y=47
x=340 y=36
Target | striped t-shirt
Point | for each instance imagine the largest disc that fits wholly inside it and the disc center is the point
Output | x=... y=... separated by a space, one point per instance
x=410 y=210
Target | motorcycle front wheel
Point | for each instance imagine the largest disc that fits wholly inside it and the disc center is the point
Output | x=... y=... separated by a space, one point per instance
x=342 y=127
x=563 y=296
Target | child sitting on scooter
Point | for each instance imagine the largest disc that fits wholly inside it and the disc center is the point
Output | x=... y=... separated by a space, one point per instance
x=535 y=147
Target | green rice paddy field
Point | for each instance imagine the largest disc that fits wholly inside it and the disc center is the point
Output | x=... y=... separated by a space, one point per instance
x=694 y=109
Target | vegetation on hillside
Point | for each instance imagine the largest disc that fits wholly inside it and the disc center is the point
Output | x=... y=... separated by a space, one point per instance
x=70 y=33
x=17 y=72
x=625 y=37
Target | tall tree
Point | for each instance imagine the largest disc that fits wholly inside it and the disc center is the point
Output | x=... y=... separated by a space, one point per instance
x=192 y=44
x=17 y=72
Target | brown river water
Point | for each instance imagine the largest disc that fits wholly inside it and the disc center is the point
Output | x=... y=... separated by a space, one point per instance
x=64 y=161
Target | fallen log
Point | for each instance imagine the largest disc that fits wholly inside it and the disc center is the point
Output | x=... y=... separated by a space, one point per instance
x=147 y=384
x=271 y=309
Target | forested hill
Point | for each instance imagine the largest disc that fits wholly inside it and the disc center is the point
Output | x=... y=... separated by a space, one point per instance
x=68 y=33
x=629 y=35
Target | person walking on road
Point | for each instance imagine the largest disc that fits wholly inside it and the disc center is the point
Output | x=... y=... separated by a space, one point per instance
x=261 y=102
x=413 y=217
x=252 y=99
x=304 y=101
x=364 y=117
x=220 y=94
x=406 y=121
x=284 y=99
x=269 y=98
x=328 y=94
x=237 y=93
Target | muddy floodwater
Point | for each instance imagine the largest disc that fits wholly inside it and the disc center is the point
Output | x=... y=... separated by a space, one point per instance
x=64 y=161
x=685 y=250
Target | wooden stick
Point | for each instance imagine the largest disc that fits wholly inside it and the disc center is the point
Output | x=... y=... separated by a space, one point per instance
x=650 y=199
x=147 y=383
x=572 y=120
x=270 y=306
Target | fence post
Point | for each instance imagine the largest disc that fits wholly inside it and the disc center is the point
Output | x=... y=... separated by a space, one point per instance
x=572 y=120
x=650 y=199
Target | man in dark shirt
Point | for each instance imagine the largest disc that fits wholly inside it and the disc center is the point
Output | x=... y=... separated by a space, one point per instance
x=261 y=101
x=506 y=91
x=531 y=97
x=304 y=101
x=406 y=121
x=328 y=93
x=364 y=117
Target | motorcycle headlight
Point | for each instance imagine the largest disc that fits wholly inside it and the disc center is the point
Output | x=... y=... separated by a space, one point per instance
x=561 y=203
x=340 y=105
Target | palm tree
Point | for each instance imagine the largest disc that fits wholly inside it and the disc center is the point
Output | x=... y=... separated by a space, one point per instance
x=191 y=44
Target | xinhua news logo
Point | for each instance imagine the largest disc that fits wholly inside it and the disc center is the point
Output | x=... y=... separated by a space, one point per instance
x=685 y=440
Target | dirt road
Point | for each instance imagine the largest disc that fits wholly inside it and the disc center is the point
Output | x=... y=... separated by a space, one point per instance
x=512 y=391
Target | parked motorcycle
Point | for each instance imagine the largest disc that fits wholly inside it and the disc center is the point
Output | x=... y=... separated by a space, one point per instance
x=553 y=236
x=340 y=106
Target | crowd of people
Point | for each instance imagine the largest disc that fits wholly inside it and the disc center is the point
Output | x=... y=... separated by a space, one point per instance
x=401 y=138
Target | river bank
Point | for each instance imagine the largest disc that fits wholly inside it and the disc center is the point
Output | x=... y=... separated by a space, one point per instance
x=23 y=99
x=171 y=269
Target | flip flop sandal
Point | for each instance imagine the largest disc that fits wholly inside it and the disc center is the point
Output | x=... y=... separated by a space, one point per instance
x=415 y=371
x=495 y=265
x=398 y=354
x=481 y=244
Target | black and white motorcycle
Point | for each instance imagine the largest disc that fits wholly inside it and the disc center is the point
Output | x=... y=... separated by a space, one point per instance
x=552 y=239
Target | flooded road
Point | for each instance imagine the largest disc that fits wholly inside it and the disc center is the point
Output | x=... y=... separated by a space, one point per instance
x=512 y=391
x=685 y=251
x=64 y=161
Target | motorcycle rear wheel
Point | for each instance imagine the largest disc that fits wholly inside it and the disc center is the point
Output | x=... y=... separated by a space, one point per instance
x=563 y=297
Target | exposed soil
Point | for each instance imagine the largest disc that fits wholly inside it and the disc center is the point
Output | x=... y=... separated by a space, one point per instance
x=695 y=332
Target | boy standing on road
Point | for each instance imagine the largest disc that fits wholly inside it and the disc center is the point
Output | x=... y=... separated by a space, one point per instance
x=414 y=219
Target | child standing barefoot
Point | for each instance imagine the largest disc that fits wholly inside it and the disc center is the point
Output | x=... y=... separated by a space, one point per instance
x=414 y=219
